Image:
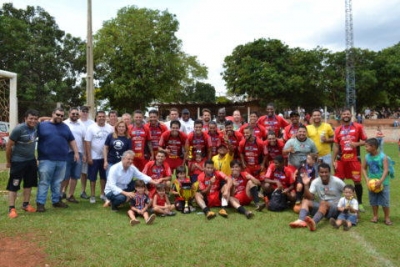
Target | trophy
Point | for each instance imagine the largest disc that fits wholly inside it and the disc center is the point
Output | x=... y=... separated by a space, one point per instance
x=187 y=193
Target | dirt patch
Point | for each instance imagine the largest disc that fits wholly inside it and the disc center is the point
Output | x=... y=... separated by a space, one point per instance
x=21 y=251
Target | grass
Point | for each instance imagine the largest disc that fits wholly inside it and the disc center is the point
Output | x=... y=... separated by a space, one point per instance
x=90 y=235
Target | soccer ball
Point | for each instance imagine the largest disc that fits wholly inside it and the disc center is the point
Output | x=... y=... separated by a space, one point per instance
x=372 y=186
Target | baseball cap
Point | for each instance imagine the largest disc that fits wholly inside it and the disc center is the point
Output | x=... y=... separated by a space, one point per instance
x=294 y=113
x=185 y=111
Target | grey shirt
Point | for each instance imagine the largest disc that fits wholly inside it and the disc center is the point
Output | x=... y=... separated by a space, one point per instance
x=301 y=149
x=330 y=192
x=25 y=143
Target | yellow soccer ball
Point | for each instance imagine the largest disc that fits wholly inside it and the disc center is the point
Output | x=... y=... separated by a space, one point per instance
x=372 y=186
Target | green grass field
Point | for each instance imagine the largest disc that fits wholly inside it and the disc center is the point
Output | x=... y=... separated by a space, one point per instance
x=90 y=235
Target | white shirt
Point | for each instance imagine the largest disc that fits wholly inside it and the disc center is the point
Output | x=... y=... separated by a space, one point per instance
x=87 y=122
x=118 y=178
x=189 y=125
x=97 y=135
x=78 y=129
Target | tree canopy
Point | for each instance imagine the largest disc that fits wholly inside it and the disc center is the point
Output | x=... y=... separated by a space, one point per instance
x=138 y=59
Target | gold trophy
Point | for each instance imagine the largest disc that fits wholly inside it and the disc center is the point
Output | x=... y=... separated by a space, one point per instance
x=187 y=191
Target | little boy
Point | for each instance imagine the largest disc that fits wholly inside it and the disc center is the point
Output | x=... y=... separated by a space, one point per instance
x=139 y=205
x=348 y=207
x=161 y=203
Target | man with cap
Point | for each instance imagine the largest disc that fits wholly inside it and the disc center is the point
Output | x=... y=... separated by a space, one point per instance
x=290 y=131
x=222 y=161
x=187 y=121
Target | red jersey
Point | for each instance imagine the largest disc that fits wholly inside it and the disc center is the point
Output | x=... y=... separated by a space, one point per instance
x=273 y=123
x=198 y=143
x=284 y=176
x=161 y=201
x=216 y=140
x=346 y=134
x=252 y=151
x=235 y=140
x=174 y=143
x=195 y=170
x=240 y=183
x=155 y=132
x=258 y=130
x=139 y=137
x=204 y=181
x=290 y=131
x=272 y=151
x=205 y=127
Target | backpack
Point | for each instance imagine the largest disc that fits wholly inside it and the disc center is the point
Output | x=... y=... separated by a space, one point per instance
x=277 y=201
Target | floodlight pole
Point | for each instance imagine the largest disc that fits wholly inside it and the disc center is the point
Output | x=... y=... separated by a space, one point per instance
x=89 y=62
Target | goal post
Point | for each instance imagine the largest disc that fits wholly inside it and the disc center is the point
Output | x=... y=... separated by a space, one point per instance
x=12 y=101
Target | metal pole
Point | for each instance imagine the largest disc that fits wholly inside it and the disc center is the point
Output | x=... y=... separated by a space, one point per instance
x=89 y=62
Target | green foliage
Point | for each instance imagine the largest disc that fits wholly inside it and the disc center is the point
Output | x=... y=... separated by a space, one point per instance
x=47 y=61
x=200 y=92
x=139 y=59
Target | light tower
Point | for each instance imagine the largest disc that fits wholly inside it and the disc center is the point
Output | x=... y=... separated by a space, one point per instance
x=350 y=73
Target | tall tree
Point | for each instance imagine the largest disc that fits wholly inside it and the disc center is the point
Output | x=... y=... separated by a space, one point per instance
x=138 y=58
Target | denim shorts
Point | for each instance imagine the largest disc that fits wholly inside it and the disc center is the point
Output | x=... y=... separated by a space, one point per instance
x=74 y=168
x=96 y=167
x=380 y=199
x=348 y=217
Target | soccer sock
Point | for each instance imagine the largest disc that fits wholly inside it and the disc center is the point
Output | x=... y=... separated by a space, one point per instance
x=206 y=210
x=318 y=216
x=359 y=191
x=254 y=194
x=302 y=214
x=241 y=210
x=25 y=204
x=10 y=207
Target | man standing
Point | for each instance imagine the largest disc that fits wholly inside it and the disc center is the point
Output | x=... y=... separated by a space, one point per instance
x=20 y=155
x=187 y=121
x=220 y=119
x=291 y=130
x=327 y=190
x=206 y=117
x=84 y=118
x=322 y=135
x=173 y=143
x=112 y=117
x=346 y=152
x=55 y=138
x=120 y=186
x=271 y=122
x=174 y=115
x=198 y=141
x=74 y=168
x=155 y=129
x=258 y=130
x=95 y=137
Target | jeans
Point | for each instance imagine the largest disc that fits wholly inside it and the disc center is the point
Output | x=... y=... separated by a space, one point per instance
x=119 y=199
x=51 y=174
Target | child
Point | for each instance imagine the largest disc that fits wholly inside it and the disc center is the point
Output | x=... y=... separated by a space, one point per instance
x=161 y=204
x=348 y=207
x=376 y=166
x=308 y=168
x=196 y=166
x=181 y=178
x=139 y=205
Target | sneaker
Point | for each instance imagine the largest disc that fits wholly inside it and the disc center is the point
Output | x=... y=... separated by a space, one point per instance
x=210 y=215
x=114 y=208
x=249 y=214
x=223 y=213
x=40 y=207
x=72 y=199
x=134 y=222
x=171 y=213
x=64 y=196
x=84 y=196
x=103 y=197
x=60 y=204
x=310 y=223
x=29 y=208
x=361 y=208
x=92 y=200
x=12 y=213
x=260 y=207
x=298 y=224
x=332 y=221
x=151 y=219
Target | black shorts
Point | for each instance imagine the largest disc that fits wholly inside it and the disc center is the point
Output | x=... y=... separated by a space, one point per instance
x=22 y=171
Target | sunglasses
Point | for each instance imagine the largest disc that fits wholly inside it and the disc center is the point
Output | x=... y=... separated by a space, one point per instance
x=74 y=114
x=59 y=115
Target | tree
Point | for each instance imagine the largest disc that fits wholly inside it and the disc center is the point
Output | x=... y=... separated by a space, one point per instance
x=200 y=93
x=46 y=61
x=138 y=59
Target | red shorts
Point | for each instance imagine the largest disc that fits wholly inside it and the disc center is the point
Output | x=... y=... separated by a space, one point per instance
x=213 y=200
x=254 y=170
x=139 y=163
x=243 y=198
x=174 y=163
x=348 y=170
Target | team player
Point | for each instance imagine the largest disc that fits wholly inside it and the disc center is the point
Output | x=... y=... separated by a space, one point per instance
x=159 y=171
x=272 y=147
x=215 y=136
x=140 y=138
x=173 y=143
x=206 y=117
x=258 y=129
x=155 y=129
x=346 y=152
x=290 y=131
x=212 y=184
x=251 y=151
x=232 y=137
x=272 y=122
x=198 y=141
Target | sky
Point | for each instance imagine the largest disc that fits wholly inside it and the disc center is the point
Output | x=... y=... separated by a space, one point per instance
x=211 y=29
